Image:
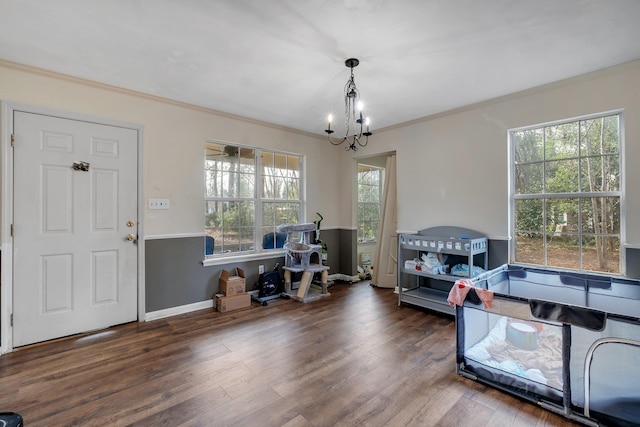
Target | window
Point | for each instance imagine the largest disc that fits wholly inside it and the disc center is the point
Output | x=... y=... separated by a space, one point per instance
x=248 y=193
x=567 y=194
x=369 y=199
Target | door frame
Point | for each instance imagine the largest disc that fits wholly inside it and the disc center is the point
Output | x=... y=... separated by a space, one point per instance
x=7 y=109
x=354 y=200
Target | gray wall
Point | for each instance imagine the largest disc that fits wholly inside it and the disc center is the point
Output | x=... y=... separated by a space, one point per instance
x=632 y=262
x=175 y=275
x=348 y=245
x=498 y=253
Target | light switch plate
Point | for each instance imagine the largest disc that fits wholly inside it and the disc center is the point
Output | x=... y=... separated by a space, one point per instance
x=158 y=203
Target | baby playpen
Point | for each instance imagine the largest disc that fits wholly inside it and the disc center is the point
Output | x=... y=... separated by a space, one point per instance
x=569 y=342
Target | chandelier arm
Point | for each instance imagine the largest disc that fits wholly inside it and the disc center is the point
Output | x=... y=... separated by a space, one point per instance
x=349 y=110
x=366 y=134
x=366 y=141
x=353 y=141
x=347 y=122
x=336 y=141
x=360 y=136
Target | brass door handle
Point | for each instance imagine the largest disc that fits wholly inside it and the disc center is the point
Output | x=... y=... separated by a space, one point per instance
x=131 y=237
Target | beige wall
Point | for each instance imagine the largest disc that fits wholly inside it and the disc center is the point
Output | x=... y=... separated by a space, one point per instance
x=173 y=144
x=453 y=169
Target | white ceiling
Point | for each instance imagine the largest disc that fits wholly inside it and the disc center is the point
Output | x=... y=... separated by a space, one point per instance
x=282 y=61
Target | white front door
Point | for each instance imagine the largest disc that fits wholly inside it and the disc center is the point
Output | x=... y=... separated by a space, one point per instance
x=74 y=268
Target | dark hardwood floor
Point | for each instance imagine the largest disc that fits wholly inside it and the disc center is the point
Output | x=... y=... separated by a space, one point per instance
x=354 y=358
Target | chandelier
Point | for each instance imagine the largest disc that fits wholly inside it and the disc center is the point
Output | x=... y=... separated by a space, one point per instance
x=354 y=120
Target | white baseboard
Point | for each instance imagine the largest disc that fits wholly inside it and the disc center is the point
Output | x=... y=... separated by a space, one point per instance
x=174 y=311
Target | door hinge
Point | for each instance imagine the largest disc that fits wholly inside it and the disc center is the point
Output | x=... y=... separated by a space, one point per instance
x=11 y=320
x=13 y=140
x=12 y=230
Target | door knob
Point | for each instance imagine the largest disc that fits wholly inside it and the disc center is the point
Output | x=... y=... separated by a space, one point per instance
x=131 y=237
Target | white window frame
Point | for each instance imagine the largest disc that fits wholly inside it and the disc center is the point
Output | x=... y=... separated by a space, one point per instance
x=257 y=252
x=621 y=193
x=381 y=171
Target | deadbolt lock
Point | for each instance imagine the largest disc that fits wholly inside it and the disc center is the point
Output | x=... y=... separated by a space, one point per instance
x=81 y=166
x=130 y=223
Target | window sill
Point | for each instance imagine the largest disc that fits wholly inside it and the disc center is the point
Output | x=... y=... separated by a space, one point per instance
x=222 y=260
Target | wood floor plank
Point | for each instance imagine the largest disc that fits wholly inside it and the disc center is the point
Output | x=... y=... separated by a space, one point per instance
x=464 y=410
x=353 y=358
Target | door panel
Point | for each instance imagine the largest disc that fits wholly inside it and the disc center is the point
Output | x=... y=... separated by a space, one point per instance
x=58 y=199
x=104 y=206
x=104 y=277
x=57 y=282
x=74 y=269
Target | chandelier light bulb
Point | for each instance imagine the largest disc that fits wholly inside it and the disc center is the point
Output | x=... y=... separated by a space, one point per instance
x=367 y=122
x=360 y=108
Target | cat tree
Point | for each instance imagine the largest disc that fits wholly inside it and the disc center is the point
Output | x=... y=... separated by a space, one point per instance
x=303 y=256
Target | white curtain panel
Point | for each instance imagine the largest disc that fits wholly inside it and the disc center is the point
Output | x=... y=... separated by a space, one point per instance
x=386 y=271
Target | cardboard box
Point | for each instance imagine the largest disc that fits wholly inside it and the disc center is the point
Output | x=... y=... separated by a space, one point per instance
x=231 y=284
x=229 y=303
